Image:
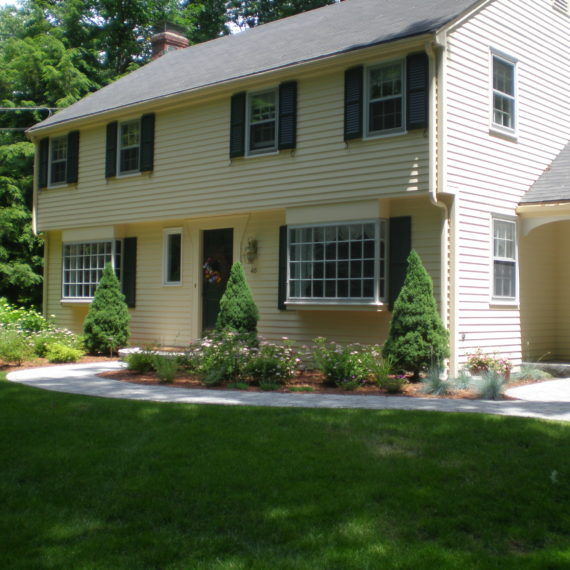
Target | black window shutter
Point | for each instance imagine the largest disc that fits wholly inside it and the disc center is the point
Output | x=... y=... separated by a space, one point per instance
x=400 y=247
x=353 y=96
x=417 y=73
x=72 y=174
x=43 y=163
x=111 y=150
x=237 y=125
x=287 y=115
x=147 y=143
x=282 y=285
x=129 y=284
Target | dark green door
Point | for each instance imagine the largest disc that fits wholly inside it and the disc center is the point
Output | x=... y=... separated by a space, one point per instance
x=217 y=259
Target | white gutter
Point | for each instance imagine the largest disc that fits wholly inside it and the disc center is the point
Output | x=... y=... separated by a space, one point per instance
x=437 y=185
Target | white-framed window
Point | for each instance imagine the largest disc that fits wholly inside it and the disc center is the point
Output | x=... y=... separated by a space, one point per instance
x=129 y=143
x=504 y=259
x=341 y=262
x=262 y=113
x=83 y=264
x=504 y=93
x=172 y=256
x=57 y=161
x=384 y=107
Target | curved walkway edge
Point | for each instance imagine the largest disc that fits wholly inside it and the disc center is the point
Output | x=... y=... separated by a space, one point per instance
x=83 y=379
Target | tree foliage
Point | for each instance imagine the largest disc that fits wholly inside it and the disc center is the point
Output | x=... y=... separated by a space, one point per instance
x=106 y=326
x=238 y=312
x=54 y=52
x=417 y=339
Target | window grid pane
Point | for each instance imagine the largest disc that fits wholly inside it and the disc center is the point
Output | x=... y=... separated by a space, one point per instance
x=58 y=160
x=503 y=93
x=129 y=146
x=504 y=259
x=83 y=265
x=337 y=262
x=262 y=120
x=385 y=98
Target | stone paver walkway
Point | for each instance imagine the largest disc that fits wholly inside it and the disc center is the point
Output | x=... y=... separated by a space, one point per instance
x=83 y=379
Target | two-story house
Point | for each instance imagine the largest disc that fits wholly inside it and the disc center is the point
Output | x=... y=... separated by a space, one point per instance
x=318 y=150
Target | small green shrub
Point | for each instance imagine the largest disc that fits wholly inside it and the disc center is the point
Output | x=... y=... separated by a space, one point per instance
x=301 y=389
x=219 y=358
x=269 y=386
x=43 y=339
x=166 y=367
x=14 y=347
x=343 y=366
x=393 y=384
x=490 y=386
x=434 y=384
x=238 y=312
x=141 y=362
x=106 y=325
x=528 y=372
x=417 y=337
x=26 y=320
x=62 y=353
x=271 y=363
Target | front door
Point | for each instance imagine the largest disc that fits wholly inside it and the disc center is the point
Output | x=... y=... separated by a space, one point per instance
x=217 y=256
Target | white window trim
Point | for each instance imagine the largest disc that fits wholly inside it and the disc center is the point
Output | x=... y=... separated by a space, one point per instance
x=127 y=173
x=70 y=299
x=64 y=182
x=495 y=299
x=356 y=302
x=269 y=150
x=495 y=128
x=366 y=101
x=166 y=232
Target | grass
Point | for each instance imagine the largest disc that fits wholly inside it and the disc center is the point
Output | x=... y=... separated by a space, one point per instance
x=103 y=484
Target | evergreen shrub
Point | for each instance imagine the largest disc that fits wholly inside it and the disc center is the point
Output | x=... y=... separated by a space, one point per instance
x=238 y=311
x=61 y=353
x=417 y=339
x=106 y=326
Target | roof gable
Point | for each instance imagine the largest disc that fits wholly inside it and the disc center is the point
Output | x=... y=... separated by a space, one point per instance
x=334 y=29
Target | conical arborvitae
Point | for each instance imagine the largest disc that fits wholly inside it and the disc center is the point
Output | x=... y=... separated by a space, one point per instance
x=106 y=325
x=417 y=339
x=238 y=312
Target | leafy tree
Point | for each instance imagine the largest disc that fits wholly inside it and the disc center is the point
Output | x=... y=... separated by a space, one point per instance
x=417 y=339
x=238 y=312
x=106 y=325
x=250 y=13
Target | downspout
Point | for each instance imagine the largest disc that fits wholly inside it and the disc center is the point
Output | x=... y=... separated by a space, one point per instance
x=435 y=51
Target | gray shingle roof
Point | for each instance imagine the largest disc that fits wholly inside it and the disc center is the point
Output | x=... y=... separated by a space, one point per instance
x=334 y=29
x=554 y=183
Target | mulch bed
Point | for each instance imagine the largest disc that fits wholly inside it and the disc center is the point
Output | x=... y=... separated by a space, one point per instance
x=310 y=379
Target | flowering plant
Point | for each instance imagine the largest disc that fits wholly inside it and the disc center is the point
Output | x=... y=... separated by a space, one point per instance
x=478 y=362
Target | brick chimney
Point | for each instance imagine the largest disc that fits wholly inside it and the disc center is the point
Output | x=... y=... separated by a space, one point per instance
x=168 y=37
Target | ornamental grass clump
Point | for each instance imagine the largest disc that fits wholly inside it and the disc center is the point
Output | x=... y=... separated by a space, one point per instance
x=346 y=367
x=434 y=384
x=238 y=311
x=166 y=367
x=106 y=326
x=490 y=386
x=417 y=339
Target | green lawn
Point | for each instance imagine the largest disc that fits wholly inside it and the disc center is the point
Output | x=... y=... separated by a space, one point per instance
x=93 y=483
